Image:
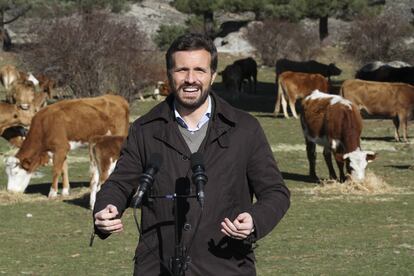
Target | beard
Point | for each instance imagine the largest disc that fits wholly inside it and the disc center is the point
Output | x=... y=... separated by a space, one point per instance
x=191 y=104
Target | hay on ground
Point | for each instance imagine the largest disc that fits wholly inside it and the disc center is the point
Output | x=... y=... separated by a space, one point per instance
x=372 y=185
x=8 y=198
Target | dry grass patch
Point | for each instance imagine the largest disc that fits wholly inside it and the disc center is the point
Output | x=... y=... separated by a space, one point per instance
x=8 y=198
x=372 y=185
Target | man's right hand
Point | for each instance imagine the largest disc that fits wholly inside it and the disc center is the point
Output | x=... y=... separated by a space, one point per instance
x=106 y=222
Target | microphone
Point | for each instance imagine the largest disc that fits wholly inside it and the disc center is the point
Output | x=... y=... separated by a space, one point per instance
x=146 y=179
x=199 y=175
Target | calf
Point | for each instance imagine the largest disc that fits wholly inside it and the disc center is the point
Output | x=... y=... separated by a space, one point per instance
x=395 y=100
x=294 y=86
x=232 y=79
x=104 y=153
x=56 y=129
x=234 y=74
x=336 y=124
x=249 y=71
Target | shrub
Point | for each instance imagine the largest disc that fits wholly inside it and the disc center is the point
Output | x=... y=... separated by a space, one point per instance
x=166 y=34
x=275 y=39
x=93 y=54
x=378 y=38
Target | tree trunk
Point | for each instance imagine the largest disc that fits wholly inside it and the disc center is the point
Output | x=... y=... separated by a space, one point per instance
x=323 y=28
x=2 y=30
x=208 y=24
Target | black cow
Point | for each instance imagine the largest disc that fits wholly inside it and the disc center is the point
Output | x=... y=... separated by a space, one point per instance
x=232 y=79
x=234 y=74
x=310 y=66
x=249 y=71
x=388 y=72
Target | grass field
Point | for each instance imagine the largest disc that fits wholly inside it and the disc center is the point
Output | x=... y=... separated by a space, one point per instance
x=324 y=233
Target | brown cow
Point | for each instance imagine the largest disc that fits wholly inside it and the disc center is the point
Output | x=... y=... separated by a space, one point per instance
x=103 y=152
x=11 y=115
x=56 y=129
x=22 y=94
x=395 y=100
x=294 y=86
x=47 y=85
x=336 y=124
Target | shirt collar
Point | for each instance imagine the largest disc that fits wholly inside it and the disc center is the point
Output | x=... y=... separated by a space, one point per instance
x=204 y=119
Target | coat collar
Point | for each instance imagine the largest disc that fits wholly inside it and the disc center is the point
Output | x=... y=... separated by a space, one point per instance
x=222 y=120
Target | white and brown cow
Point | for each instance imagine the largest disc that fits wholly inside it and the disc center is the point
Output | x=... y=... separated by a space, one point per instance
x=336 y=124
x=56 y=129
x=104 y=153
x=394 y=100
x=295 y=86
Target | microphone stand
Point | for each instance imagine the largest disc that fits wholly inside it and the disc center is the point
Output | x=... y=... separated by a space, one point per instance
x=178 y=262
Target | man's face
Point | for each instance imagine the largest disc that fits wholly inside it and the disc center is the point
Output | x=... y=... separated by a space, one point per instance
x=191 y=78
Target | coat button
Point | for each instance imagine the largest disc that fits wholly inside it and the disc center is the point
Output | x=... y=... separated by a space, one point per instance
x=185 y=157
x=187 y=227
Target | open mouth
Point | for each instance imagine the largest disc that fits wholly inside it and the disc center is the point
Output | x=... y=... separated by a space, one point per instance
x=191 y=89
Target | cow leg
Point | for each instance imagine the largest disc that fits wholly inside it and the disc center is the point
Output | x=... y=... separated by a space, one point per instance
x=65 y=178
x=404 y=122
x=277 y=105
x=396 y=122
x=292 y=107
x=255 y=82
x=284 y=106
x=328 y=159
x=58 y=166
x=340 y=164
x=311 y=153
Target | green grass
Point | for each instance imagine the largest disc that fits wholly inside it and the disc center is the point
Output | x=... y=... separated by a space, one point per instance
x=321 y=234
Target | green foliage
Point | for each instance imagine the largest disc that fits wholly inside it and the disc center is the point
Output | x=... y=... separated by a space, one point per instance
x=195 y=24
x=166 y=34
x=63 y=7
x=196 y=6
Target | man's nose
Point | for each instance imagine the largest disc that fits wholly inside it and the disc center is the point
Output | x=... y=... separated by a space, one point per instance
x=190 y=77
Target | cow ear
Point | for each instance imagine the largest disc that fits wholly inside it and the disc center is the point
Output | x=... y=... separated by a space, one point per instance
x=371 y=156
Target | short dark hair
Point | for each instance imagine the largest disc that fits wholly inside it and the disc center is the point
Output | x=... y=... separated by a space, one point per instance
x=192 y=41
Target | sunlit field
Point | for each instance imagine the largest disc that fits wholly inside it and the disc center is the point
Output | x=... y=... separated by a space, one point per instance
x=327 y=231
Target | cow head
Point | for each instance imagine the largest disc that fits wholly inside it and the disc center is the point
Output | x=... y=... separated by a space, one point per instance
x=357 y=161
x=23 y=94
x=17 y=178
x=333 y=70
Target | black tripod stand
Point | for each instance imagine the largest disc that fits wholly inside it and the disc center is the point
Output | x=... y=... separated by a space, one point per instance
x=179 y=262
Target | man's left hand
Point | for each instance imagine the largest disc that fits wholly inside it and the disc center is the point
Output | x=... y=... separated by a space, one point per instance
x=240 y=228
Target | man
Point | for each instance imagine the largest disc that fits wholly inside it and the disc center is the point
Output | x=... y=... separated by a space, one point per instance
x=238 y=162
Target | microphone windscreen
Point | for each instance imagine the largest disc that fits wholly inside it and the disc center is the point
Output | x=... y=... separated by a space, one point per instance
x=155 y=160
x=196 y=159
